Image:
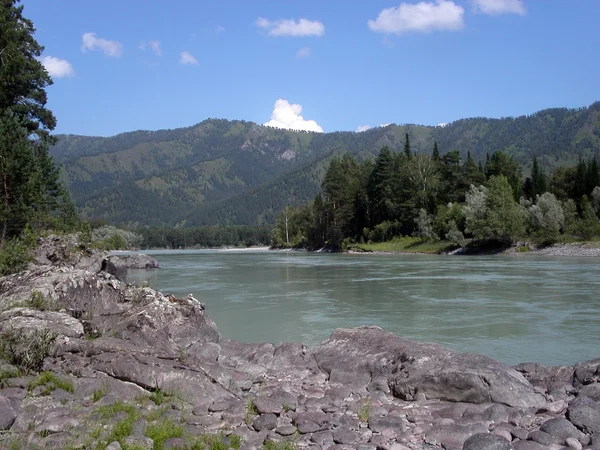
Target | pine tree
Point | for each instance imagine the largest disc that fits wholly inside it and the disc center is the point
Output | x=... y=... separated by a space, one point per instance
x=592 y=177
x=31 y=191
x=436 y=152
x=407 y=152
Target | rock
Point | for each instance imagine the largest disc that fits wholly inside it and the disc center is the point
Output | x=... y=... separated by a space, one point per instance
x=528 y=445
x=114 y=446
x=451 y=437
x=266 y=405
x=584 y=413
x=591 y=390
x=484 y=441
x=544 y=438
x=8 y=413
x=574 y=443
x=562 y=429
x=286 y=430
x=356 y=356
x=345 y=436
x=265 y=422
x=380 y=424
x=118 y=265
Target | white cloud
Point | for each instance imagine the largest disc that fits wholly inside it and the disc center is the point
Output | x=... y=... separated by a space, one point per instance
x=303 y=52
x=220 y=29
x=187 y=58
x=155 y=46
x=291 y=27
x=442 y=125
x=361 y=128
x=383 y=125
x=56 y=67
x=421 y=17
x=89 y=41
x=286 y=115
x=495 y=7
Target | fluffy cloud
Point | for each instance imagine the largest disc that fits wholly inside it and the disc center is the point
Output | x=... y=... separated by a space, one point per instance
x=155 y=46
x=89 y=41
x=495 y=7
x=290 y=27
x=286 y=115
x=361 y=128
x=303 y=52
x=421 y=17
x=186 y=58
x=56 y=67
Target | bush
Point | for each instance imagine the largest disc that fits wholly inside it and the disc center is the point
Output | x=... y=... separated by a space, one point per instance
x=26 y=350
x=112 y=238
x=14 y=256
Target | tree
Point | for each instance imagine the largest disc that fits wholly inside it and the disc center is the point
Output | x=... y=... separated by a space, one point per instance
x=436 y=152
x=547 y=216
x=31 y=191
x=505 y=217
x=380 y=187
x=592 y=177
x=407 y=152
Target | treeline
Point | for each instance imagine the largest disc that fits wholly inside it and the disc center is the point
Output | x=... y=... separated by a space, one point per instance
x=205 y=237
x=443 y=197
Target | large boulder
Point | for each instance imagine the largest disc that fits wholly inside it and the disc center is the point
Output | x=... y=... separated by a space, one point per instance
x=361 y=355
x=118 y=265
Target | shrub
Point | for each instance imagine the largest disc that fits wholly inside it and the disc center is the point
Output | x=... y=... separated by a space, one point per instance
x=26 y=350
x=14 y=256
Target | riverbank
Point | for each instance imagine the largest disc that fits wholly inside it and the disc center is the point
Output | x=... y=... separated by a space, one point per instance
x=130 y=367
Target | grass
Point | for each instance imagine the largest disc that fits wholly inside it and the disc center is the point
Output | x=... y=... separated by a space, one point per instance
x=161 y=431
x=404 y=244
x=98 y=394
x=364 y=411
x=7 y=374
x=251 y=411
x=51 y=383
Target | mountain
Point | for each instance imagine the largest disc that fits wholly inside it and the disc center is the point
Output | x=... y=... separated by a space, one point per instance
x=236 y=172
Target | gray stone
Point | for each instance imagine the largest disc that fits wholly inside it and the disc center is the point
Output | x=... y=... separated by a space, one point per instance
x=266 y=405
x=286 y=430
x=485 y=441
x=8 y=413
x=357 y=356
x=574 y=443
x=544 y=438
x=562 y=429
x=591 y=390
x=389 y=422
x=308 y=427
x=584 y=413
x=322 y=438
x=175 y=443
x=114 y=446
x=451 y=437
x=528 y=445
x=265 y=422
x=345 y=436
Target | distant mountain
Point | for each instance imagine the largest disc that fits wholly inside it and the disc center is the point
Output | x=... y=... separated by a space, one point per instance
x=236 y=172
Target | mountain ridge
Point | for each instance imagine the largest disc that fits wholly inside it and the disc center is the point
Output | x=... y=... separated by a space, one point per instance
x=185 y=175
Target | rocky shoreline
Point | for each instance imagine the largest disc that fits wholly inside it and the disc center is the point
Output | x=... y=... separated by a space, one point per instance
x=127 y=367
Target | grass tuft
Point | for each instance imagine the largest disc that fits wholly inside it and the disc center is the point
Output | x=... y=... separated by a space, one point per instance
x=51 y=383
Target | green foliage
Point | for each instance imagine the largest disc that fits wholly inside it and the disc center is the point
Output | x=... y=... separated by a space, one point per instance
x=50 y=382
x=98 y=394
x=14 y=256
x=31 y=191
x=161 y=431
x=251 y=411
x=6 y=374
x=364 y=410
x=26 y=349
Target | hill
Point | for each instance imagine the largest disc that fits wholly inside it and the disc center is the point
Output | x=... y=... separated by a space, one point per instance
x=236 y=172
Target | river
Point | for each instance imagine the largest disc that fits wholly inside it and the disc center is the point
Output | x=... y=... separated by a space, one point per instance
x=514 y=309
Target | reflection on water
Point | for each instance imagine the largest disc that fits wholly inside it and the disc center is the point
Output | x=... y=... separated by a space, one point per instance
x=513 y=309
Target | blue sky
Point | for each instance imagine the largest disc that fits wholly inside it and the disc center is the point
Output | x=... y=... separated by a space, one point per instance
x=324 y=65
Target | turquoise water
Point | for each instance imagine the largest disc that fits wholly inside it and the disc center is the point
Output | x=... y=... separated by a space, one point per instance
x=514 y=309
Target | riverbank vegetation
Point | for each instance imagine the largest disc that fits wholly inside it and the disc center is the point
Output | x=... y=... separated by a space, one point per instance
x=432 y=202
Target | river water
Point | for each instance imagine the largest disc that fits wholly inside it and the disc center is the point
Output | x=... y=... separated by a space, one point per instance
x=514 y=309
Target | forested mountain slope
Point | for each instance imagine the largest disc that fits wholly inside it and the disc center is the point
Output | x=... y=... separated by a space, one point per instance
x=237 y=172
